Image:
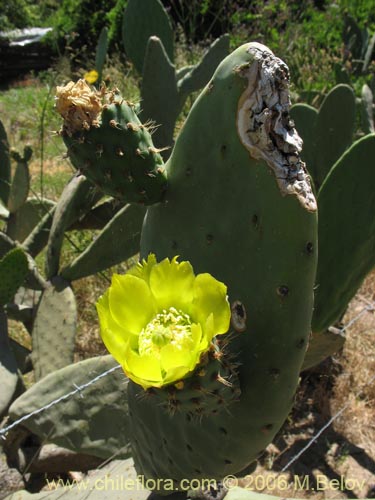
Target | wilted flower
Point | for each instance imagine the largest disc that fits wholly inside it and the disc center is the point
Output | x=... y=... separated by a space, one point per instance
x=159 y=318
x=79 y=105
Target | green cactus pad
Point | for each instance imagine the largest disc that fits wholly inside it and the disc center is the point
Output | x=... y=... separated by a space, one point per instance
x=76 y=199
x=6 y=244
x=21 y=355
x=322 y=345
x=111 y=147
x=329 y=133
x=5 y=169
x=181 y=72
x=142 y=19
x=20 y=185
x=201 y=73
x=305 y=118
x=334 y=129
x=54 y=329
x=38 y=237
x=94 y=421
x=101 y=53
x=23 y=221
x=240 y=207
x=211 y=389
x=8 y=367
x=159 y=94
x=98 y=216
x=13 y=270
x=124 y=229
x=346 y=232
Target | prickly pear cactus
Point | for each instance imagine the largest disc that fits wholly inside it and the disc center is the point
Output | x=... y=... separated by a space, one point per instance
x=142 y=19
x=328 y=133
x=21 y=223
x=20 y=186
x=101 y=53
x=164 y=90
x=95 y=422
x=125 y=229
x=8 y=367
x=5 y=169
x=13 y=271
x=239 y=206
x=212 y=388
x=108 y=143
x=54 y=328
x=345 y=256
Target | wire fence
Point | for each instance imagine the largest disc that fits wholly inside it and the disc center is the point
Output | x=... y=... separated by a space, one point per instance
x=369 y=307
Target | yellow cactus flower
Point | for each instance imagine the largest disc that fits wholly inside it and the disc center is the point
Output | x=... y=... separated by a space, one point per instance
x=159 y=318
x=91 y=76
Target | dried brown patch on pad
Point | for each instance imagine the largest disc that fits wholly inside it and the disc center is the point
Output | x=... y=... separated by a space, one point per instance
x=265 y=127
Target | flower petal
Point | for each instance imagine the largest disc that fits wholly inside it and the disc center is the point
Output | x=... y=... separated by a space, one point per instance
x=210 y=297
x=131 y=302
x=176 y=374
x=172 y=356
x=144 y=370
x=176 y=362
x=172 y=284
x=114 y=337
x=142 y=269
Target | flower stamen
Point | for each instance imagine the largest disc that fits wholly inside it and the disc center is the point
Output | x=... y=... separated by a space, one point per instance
x=171 y=326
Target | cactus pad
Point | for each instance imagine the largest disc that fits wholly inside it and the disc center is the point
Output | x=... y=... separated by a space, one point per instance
x=125 y=229
x=142 y=19
x=107 y=142
x=329 y=133
x=159 y=94
x=239 y=206
x=13 y=271
x=95 y=422
x=23 y=221
x=8 y=367
x=20 y=185
x=54 y=328
x=346 y=232
x=5 y=169
x=211 y=389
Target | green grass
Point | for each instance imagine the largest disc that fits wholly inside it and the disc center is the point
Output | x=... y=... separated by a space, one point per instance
x=21 y=111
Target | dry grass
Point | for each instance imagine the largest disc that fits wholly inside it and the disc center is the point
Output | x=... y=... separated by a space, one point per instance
x=355 y=386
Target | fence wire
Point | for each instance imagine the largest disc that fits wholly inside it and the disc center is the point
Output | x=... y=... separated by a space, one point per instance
x=370 y=307
x=78 y=389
